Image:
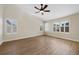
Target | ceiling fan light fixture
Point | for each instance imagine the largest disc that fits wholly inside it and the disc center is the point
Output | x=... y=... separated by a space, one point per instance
x=42 y=9
x=42 y=13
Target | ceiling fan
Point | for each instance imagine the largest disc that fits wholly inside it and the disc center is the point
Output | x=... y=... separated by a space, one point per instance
x=42 y=9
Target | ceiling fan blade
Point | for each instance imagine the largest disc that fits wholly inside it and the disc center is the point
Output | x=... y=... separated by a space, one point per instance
x=46 y=10
x=37 y=12
x=45 y=7
x=41 y=6
x=36 y=8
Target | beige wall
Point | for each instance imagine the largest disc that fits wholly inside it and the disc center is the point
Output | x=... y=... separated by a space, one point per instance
x=27 y=25
x=1 y=23
x=74 y=28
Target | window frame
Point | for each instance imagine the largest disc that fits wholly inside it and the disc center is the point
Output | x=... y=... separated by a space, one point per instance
x=55 y=26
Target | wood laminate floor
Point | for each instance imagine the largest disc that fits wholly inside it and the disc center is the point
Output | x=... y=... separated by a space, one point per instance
x=41 y=45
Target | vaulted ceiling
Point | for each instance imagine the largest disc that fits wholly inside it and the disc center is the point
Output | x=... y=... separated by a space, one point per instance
x=57 y=10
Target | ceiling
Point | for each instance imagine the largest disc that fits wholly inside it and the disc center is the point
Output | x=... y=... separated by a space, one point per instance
x=57 y=10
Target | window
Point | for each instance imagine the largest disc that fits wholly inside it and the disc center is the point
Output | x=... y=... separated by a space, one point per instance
x=61 y=26
x=8 y=24
x=11 y=26
x=58 y=27
x=46 y=26
x=54 y=27
x=67 y=27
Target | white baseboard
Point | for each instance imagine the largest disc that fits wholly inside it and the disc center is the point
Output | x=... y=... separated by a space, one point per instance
x=76 y=40
x=23 y=37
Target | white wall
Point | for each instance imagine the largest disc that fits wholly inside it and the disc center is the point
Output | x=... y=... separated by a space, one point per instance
x=27 y=25
x=1 y=23
x=74 y=28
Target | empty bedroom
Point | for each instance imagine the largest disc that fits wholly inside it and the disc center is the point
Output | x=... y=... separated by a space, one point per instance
x=39 y=29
